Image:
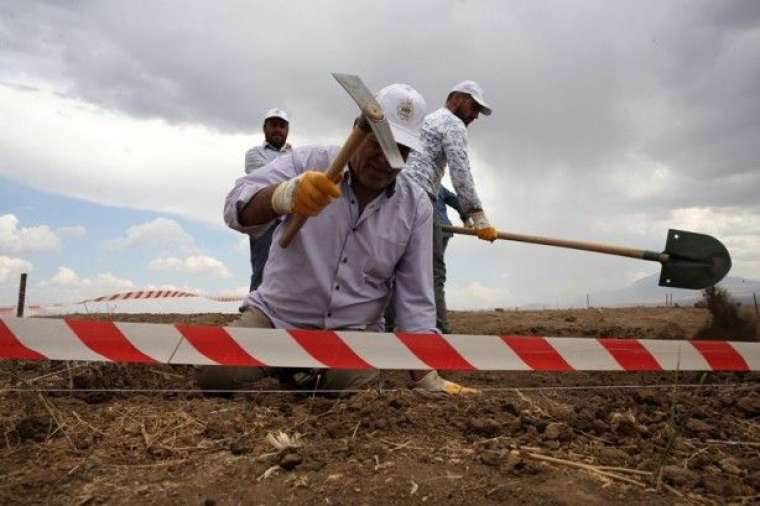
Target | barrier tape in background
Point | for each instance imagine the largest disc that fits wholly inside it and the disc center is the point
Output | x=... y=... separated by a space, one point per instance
x=142 y=294
x=63 y=339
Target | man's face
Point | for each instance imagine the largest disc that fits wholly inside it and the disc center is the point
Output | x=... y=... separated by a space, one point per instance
x=468 y=109
x=371 y=168
x=276 y=131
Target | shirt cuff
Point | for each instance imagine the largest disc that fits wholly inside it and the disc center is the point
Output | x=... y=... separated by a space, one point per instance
x=244 y=196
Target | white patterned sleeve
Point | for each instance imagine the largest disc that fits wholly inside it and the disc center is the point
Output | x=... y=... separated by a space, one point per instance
x=455 y=147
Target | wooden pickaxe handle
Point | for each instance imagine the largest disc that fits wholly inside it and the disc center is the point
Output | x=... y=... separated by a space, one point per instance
x=334 y=172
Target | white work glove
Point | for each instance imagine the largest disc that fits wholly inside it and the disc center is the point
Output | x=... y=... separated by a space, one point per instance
x=306 y=194
x=432 y=382
x=483 y=228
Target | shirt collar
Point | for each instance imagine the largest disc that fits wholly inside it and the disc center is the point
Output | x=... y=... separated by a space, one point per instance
x=452 y=115
x=285 y=147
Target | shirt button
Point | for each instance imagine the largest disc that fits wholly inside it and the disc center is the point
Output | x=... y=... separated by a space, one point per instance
x=345 y=259
x=353 y=229
x=329 y=315
x=337 y=287
x=353 y=201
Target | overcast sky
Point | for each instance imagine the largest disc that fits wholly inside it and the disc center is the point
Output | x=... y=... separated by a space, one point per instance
x=613 y=121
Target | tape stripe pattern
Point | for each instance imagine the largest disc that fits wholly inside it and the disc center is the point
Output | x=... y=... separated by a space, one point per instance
x=537 y=353
x=631 y=355
x=721 y=355
x=436 y=351
x=216 y=344
x=62 y=339
x=142 y=294
x=52 y=338
x=327 y=347
x=11 y=347
x=104 y=338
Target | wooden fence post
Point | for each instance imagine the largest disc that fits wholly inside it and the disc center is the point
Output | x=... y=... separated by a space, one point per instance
x=21 y=296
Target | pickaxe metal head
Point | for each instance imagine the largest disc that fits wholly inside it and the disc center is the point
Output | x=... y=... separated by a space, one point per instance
x=374 y=116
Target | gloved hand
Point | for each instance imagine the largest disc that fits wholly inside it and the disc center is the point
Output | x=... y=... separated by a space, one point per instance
x=432 y=382
x=306 y=194
x=483 y=228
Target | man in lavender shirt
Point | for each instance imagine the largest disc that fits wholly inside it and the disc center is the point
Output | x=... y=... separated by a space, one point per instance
x=340 y=270
x=276 y=128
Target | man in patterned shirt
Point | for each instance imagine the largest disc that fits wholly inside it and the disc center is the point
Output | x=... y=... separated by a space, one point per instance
x=444 y=139
x=276 y=128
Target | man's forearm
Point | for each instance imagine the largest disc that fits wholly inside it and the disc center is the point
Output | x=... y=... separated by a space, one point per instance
x=259 y=209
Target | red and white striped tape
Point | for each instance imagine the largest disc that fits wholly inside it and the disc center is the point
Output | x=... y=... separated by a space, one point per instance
x=141 y=294
x=11 y=310
x=160 y=294
x=61 y=339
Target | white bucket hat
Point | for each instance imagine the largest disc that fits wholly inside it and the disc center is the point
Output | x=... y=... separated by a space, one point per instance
x=405 y=109
x=276 y=113
x=476 y=92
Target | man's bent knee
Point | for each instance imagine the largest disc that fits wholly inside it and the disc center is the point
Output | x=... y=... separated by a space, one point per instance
x=225 y=378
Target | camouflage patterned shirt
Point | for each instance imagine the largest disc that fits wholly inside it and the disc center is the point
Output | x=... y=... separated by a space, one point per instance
x=444 y=137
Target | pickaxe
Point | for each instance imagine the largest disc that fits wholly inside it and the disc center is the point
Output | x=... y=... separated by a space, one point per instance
x=372 y=120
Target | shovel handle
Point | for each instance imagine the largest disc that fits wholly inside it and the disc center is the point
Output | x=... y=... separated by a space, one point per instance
x=564 y=243
x=334 y=172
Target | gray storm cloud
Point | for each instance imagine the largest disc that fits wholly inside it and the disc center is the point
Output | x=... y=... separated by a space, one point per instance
x=571 y=83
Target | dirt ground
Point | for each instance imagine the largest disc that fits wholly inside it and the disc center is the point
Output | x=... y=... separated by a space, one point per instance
x=143 y=434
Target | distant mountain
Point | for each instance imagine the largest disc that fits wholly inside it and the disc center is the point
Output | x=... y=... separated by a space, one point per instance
x=646 y=291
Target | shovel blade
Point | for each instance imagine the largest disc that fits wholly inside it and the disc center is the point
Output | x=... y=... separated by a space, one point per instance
x=695 y=261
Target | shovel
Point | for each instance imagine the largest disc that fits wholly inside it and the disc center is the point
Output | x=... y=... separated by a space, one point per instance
x=690 y=260
x=373 y=121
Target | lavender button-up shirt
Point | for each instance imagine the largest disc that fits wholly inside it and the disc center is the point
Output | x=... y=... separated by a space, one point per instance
x=340 y=270
x=258 y=156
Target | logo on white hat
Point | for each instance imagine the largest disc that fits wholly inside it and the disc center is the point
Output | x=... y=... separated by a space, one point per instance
x=405 y=110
